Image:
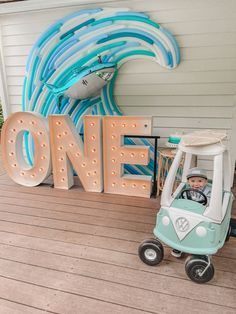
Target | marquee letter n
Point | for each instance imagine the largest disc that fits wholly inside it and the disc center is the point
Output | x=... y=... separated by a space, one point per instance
x=69 y=150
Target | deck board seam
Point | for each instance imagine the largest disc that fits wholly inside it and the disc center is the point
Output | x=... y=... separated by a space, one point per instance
x=81 y=295
x=67 y=230
x=111 y=264
x=106 y=301
x=68 y=212
x=121 y=284
x=73 y=232
x=29 y=306
x=55 y=198
x=83 y=245
x=78 y=222
x=88 y=196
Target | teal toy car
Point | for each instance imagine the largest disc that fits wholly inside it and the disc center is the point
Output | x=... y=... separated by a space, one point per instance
x=199 y=229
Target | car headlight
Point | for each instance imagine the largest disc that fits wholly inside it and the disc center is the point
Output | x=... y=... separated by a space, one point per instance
x=201 y=231
x=165 y=220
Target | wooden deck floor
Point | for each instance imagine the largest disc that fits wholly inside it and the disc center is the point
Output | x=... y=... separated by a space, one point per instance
x=76 y=252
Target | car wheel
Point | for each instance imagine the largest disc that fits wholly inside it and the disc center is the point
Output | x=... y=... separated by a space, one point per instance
x=151 y=252
x=228 y=234
x=195 y=267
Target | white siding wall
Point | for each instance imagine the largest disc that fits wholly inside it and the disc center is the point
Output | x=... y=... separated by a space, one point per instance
x=200 y=93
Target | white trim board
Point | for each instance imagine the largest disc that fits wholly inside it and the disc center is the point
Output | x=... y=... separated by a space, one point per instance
x=3 y=85
x=24 y=6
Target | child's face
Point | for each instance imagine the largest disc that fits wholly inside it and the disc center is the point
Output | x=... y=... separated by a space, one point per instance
x=197 y=182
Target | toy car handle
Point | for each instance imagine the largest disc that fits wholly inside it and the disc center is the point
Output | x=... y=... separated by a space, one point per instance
x=189 y=196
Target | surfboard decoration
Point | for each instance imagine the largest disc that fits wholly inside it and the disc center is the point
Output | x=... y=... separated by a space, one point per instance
x=87 y=48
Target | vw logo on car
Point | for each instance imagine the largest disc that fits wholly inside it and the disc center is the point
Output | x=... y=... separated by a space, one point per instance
x=182 y=224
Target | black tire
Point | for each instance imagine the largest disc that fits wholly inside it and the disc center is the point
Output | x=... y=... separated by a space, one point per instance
x=195 y=265
x=151 y=252
x=228 y=234
x=233 y=227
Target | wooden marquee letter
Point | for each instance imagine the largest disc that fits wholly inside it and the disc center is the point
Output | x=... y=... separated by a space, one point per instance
x=69 y=150
x=116 y=155
x=13 y=155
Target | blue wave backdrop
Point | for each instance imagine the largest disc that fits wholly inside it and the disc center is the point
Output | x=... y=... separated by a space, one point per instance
x=76 y=41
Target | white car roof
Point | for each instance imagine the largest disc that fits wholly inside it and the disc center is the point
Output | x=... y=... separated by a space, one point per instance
x=206 y=142
x=210 y=150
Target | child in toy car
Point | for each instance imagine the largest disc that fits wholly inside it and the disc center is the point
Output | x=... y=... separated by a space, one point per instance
x=198 y=228
x=197 y=190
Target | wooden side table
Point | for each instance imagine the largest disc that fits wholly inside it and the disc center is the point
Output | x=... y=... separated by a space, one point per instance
x=165 y=160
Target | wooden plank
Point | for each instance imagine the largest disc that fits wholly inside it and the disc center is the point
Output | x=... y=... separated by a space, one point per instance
x=159 y=78
x=15 y=80
x=16 y=108
x=81 y=222
x=162 y=4
x=48 y=229
x=15 y=71
x=71 y=237
x=145 y=66
x=36 y=16
x=176 y=89
x=7 y=307
x=88 y=204
x=17 y=50
x=198 y=27
x=166 y=131
x=186 y=53
x=5 y=106
x=149 y=66
x=168 y=111
x=18 y=40
x=26 y=28
x=21 y=45
x=15 y=90
x=181 y=112
x=201 y=123
x=16 y=100
x=177 y=77
x=161 y=100
x=29 y=7
x=2 y=172
x=121 y=214
x=171 y=101
x=56 y=301
x=156 y=89
x=83 y=228
x=216 y=12
x=203 y=40
x=77 y=193
x=159 y=12
x=15 y=61
x=115 y=274
x=170 y=266
x=108 y=291
x=190 y=53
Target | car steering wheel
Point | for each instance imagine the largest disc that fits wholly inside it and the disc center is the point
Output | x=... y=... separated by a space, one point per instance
x=186 y=193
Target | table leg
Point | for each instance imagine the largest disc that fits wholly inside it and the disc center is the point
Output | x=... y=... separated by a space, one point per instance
x=154 y=189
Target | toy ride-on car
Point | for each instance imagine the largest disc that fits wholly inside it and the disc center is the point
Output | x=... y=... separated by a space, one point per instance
x=199 y=228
